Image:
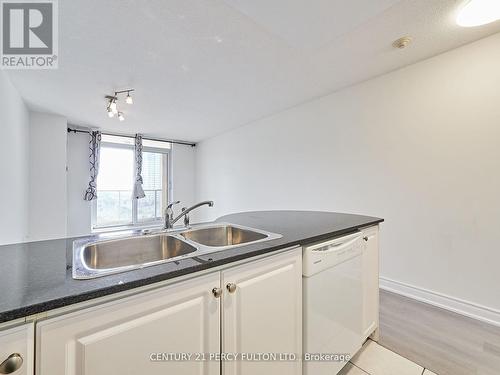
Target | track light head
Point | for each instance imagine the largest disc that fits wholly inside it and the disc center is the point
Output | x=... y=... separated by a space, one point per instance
x=113 y=107
x=129 y=99
x=110 y=112
x=120 y=116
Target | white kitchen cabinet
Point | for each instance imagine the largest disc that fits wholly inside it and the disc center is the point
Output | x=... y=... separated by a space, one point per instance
x=370 y=261
x=120 y=337
x=248 y=309
x=262 y=313
x=17 y=350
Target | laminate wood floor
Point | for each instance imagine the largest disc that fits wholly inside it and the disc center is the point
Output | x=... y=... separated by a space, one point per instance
x=437 y=339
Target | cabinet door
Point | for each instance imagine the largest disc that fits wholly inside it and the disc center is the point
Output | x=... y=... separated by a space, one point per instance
x=127 y=336
x=17 y=349
x=370 y=281
x=263 y=315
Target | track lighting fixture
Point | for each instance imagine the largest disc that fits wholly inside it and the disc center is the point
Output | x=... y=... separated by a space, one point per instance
x=112 y=107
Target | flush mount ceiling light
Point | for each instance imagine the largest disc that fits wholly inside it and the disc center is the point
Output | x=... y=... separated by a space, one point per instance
x=112 y=107
x=402 y=42
x=478 y=12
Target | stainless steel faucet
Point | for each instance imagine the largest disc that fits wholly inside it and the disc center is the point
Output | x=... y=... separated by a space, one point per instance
x=169 y=213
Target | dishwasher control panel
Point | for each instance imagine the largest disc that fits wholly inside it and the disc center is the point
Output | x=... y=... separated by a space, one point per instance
x=318 y=257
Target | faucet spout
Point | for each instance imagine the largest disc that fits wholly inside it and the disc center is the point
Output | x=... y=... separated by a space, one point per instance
x=169 y=223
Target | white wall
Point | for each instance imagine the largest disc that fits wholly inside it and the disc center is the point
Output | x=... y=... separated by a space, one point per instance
x=14 y=138
x=418 y=147
x=79 y=211
x=33 y=185
x=47 y=176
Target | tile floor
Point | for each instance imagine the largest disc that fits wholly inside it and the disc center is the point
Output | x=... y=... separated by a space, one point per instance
x=374 y=359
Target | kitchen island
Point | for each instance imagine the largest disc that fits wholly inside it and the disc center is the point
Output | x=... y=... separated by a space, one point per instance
x=211 y=308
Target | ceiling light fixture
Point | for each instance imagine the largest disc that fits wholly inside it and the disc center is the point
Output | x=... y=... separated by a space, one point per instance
x=402 y=42
x=112 y=107
x=478 y=12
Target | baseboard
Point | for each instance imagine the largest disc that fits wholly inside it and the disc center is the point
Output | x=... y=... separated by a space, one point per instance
x=469 y=309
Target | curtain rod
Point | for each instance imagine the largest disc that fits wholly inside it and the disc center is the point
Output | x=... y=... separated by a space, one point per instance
x=185 y=143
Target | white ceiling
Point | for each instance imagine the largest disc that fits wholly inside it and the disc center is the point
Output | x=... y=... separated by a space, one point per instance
x=202 y=67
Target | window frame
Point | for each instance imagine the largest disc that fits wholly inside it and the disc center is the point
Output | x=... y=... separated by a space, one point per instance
x=167 y=193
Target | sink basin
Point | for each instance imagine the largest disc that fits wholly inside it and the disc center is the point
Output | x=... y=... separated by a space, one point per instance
x=112 y=256
x=134 y=250
x=223 y=235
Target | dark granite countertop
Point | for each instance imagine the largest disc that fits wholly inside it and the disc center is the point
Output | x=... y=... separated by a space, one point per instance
x=36 y=276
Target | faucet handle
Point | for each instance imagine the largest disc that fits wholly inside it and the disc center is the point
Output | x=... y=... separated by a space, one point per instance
x=169 y=206
x=186 y=217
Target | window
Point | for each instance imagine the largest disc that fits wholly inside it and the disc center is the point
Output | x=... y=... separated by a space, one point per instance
x=114 y=205
x=151 y=207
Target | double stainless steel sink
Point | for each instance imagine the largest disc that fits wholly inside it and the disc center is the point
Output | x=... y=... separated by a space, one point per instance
x=105 y=256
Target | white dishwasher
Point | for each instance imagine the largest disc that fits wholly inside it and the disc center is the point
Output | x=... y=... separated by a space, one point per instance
x=332 y=303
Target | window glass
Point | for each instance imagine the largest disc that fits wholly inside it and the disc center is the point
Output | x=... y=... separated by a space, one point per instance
x=114 y=205
x=150 y=207
x=114 y=182
x=156 y=144
x=117 y=139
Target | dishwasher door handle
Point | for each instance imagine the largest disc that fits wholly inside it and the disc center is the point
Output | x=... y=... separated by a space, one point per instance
x=337 y=247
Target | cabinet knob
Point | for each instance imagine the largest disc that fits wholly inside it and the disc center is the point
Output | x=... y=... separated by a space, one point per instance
x=231 y=287
x=365 y=238
x=11 y=364
x=217 y=292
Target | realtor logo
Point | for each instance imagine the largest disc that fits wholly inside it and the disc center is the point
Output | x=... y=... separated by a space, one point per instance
x=29 y=34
